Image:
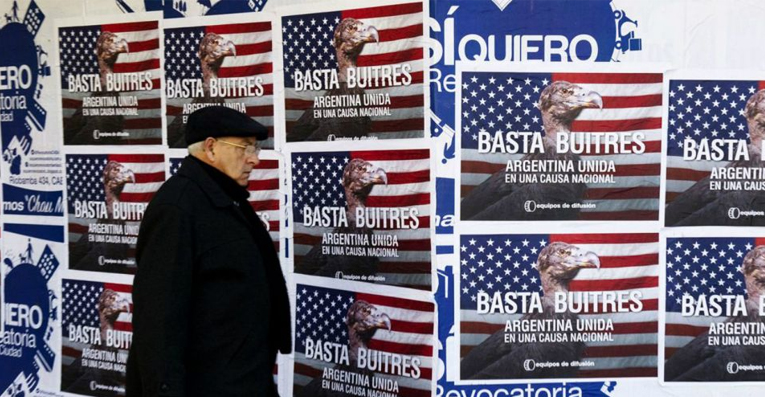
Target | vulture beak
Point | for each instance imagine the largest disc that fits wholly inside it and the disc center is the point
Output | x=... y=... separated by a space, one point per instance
x=378 y=177
x=123 y=46
x=590 y=261
x=124 y=305
x=382 y=321
x=591 y=100
x=585 y=259
x=370 y=34
x=128 y=176
x=229 y=48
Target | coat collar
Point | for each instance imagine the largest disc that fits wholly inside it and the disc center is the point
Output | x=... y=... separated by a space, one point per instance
x=194 y=170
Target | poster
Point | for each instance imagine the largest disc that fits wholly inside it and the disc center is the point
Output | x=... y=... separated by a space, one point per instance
x=354 y=74
x=111 y=82
x=363 y=215
x=355 y=343
x=96 y=337
x=557 y=306
x=715 y=166
x=31 y=156
x=714 y=328
x=218 y=62
x=575 y=144
x=264 y=191
x=107 y=195
x=31 y=300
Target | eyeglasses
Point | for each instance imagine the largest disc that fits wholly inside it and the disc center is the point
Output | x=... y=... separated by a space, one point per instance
x=249 y=150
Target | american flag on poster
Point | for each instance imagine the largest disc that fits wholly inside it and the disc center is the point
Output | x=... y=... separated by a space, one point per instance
x=264 y=193
x=321 y=315
x=81 y=329
x=134 y=67
x=703 y=111
x=130 y=181
x=317 y=183
x=309 y=47
x=628 y=262
x=238 y=70
x=701 y=267
x=499 y=103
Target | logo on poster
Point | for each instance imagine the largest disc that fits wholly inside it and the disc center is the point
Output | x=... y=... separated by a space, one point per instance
x=736 y=213
x=29 y=310
x=529 y=365
x=23 y=64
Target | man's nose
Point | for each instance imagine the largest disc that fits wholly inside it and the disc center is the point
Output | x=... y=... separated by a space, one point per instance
x=253 y=160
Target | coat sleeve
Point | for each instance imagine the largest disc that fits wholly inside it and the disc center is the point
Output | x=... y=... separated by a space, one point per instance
x=162 y=300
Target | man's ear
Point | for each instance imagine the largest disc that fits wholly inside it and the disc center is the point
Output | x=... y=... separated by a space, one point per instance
x=209 y=148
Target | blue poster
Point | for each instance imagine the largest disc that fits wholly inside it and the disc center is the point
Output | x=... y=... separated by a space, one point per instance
x=28 y=343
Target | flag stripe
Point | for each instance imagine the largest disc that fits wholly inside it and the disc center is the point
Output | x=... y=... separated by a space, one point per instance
x=639 y=101
x=383 y=11
x=239 y=28
x=390 y=58
x=616 y=125
x=130 y=26
x=610 y=78
x=396 y=302
x=244 y=71
x=146 y=45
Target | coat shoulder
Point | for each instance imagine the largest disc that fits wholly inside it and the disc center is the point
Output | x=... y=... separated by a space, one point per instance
x=180 y=192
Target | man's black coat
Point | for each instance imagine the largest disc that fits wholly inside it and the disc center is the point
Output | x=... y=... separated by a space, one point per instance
x=209 y=297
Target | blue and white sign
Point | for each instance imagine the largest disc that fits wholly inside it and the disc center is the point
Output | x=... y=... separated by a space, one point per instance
x=28 y=343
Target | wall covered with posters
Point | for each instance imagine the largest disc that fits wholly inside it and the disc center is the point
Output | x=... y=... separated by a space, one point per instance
x=515 y=197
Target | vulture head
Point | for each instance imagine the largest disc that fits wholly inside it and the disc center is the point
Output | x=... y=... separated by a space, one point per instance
x=363 y=321
x=560 y=262
x=753 y=269
x=110 y=305
x=359 y=177
x=350 y=37
x=108 y=47
x=755 y=117
x=560 y=104
x=213 y=49
x=116 y=176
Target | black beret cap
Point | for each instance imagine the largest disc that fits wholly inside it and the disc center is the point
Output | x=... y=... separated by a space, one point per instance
x=220 y=121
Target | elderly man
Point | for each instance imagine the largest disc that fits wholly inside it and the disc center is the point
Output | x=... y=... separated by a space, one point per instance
x=210 y=301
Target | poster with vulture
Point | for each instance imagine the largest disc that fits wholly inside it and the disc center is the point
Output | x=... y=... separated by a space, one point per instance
x=111 y=81
x=96 y=337
x=363 y=214
x=263 y=186
x=353 y=73
x=559 y=143
x=533 y=306
x=218 y=61
x=715 y=311
x=715 y=167
x=353 y=340
x=107 y=195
